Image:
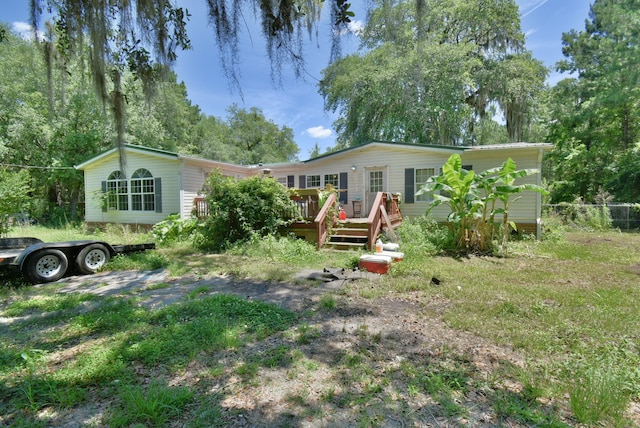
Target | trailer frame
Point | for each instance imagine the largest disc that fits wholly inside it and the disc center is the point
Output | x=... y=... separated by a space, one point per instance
x=41 y=262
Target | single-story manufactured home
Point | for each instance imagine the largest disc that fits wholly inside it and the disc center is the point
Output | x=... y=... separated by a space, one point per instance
x=158 y=183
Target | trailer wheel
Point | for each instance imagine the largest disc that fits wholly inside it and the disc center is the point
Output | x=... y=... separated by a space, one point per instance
x=46 y=265
x=92 y=257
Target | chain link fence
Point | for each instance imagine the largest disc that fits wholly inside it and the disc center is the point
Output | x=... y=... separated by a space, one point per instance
x=623 y=216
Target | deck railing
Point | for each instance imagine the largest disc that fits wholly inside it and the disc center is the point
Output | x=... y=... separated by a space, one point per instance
x=385 y=214
x=325 y=219
x=374 y=220
x=308 y=203
x=200 y=208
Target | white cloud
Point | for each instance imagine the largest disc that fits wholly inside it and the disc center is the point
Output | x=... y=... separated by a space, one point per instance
x=319 y=132
x=25 y=30
x=355 y=27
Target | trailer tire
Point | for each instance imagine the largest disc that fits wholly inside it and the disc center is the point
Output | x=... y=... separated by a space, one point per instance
x=46 y=265
x=92 y=258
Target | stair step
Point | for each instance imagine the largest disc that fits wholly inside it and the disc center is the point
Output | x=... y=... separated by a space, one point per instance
x=357 y=232
x=346 y=245
x=358 y=237
x=351 y=226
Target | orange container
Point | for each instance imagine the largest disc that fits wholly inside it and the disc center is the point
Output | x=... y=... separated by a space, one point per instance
x=375 y=263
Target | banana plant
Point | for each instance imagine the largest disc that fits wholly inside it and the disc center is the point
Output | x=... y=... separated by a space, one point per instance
x=472 y=199
x=506 y=187
x=456 y=187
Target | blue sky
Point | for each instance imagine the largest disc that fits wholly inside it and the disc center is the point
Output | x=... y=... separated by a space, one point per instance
x=297 y=104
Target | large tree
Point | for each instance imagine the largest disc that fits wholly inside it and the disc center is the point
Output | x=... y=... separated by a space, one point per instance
x=597 y=110
x=144 y=37
x=245 y=137
x=48 y=128
x=433 y=72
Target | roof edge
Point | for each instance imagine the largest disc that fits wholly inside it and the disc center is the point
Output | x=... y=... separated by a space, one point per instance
x=132 y=147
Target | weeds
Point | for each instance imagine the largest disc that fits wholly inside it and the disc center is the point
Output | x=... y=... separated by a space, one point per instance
x=327 y=302
x=153 y=406
x=567 y=306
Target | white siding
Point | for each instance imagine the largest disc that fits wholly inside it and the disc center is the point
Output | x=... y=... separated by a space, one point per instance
x=183 y=177
x=394 y=159
x=163 y=167
x=523 y=207
x=193 y=178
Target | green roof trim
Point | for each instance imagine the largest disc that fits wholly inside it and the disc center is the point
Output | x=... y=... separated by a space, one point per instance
x=389 y=143
x=153 y=150
x=545 y=146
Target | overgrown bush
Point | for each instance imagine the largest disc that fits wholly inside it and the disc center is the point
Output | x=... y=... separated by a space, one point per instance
x=590 y=217
x=423 y=236
x=175 y=229
x=242 y=208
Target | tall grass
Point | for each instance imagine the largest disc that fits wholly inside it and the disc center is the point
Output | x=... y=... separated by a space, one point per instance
x=112 y=233
x=568 y=306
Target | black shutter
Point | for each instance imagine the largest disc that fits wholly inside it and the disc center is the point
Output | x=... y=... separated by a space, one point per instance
x=344 y=185
x=409 y=186
x=303 y=181
x=158 y=194
x=291 y=181
x=105 y=201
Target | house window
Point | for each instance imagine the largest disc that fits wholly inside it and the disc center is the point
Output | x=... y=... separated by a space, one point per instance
x=331 y=179
x=375 y=181
x=283 y=181
x=313 y=181
x=142 y=191
x=422 y=175
x=117 y=192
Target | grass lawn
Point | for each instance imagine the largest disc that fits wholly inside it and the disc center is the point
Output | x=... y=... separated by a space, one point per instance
x=560 y=318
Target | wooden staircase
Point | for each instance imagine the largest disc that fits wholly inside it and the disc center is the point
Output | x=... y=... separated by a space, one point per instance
x=321 y=225
x=350 y=234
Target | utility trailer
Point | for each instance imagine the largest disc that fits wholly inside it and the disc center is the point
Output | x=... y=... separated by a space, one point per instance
x=40 y=261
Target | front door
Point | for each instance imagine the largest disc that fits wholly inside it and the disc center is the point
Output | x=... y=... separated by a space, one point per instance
x=375 y=183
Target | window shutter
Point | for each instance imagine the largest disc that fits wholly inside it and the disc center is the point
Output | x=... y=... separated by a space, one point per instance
x=291 y=181
x=303 y=181
x=344 y=185
x=105 y=202
x=409 y=186
x=158 y=194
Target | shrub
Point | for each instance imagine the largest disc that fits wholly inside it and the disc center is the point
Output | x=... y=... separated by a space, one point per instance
x=423 y=236
x=590 y=217
x=242 y=208
x=174 y=229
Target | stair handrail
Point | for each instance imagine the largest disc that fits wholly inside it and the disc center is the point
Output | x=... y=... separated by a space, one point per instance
x=322 y=222
x=374 y=220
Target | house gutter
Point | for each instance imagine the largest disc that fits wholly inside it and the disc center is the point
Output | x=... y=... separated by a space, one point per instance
x=539 y=196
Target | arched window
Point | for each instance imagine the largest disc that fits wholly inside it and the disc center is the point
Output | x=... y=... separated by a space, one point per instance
x=117 y=194
x=143 y=191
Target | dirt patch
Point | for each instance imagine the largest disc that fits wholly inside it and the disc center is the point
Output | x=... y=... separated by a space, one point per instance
x=389 y=334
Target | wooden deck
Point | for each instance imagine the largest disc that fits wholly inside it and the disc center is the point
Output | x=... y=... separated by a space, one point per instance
x=351 y=232
x=320 y=224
